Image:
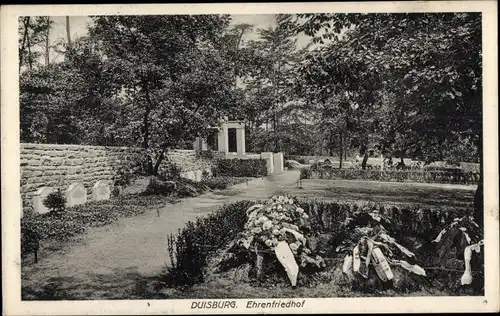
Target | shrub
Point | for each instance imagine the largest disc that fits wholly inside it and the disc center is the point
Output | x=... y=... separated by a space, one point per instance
x=206 y=175
x=240 y=168
x=30 y=240
x=170 y=171
x=55 y=201
x=157 y=186
x=205 y=154
x=220 y=183
x=115 y=191
x=305 y=173
x=191 y=247
x=122 y=177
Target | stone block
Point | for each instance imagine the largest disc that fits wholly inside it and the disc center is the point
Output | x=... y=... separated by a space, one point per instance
x=101 y=191
x=76 y=194
x=278 y=163
x=38 y=197
x=189 y=175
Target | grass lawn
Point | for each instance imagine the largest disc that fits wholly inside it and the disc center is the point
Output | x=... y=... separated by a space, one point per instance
x=422 y=194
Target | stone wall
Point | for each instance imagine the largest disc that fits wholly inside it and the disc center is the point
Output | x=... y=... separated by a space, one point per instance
x=58 y=166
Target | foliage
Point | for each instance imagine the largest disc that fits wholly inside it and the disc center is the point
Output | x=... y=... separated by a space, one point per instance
x=240 y=168
x=421 y=84
x=133 y=81
x=221 y=183
x=170 y=171
x=205 y=154
x=182 y=187
x=55 y=201
x=172 y=70
x=123 y=177
x=191 y=247
x=33 y=33
x=157 y=186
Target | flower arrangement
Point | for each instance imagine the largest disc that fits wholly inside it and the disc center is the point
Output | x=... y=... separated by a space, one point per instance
x=464 y=235
x=370 y=243
x=278 y=225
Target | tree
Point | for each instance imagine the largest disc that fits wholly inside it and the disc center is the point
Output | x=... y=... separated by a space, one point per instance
x=424 y=70
x=171 y=68
x=33 y=35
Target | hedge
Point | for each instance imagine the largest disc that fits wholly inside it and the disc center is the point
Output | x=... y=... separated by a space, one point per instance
x=240 y=168
x=192 y=247
x=455 y=176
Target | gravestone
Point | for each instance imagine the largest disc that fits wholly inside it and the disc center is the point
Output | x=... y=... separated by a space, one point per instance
x=198 y=175
x=101 y=191
x=76 y=194
x=189 y=175
x=38 y=198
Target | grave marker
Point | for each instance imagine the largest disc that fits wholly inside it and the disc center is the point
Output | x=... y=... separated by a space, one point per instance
x=101 y=191
x=198 y=175
x=38 y=198
x=76 y=194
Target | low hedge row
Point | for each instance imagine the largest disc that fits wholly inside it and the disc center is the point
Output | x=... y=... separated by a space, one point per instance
x=191 y=248
x=427 y=176
x=240 y=168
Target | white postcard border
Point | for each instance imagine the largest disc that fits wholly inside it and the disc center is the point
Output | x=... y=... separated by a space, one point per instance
x=11 y=172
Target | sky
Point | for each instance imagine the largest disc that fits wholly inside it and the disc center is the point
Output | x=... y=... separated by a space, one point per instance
x=78 y=27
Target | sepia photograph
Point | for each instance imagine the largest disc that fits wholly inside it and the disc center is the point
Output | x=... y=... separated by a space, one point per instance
x=252 y=161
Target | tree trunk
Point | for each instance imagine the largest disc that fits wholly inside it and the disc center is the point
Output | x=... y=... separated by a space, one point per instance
x=159 y=160
x=365 y=160
x=68 y=31
x=341 y=149
x=145 y=141
x=30 y=58
x=364 y=152
x=47 y=47
x=479 y=195
x=25 y=37
x=330 y=145
x=402 y=160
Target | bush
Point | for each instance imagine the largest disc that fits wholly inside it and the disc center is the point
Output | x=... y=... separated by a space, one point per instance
x=305 y=173
x=122 y=177
x=158 y=186
x=55 y=201
x=191 y=247
x=454 y=176
x=205 y=154
x=170 y=171
x=221 y=183
x=240 y=168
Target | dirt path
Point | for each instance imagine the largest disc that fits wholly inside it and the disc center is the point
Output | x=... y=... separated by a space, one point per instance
x=121 y=260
